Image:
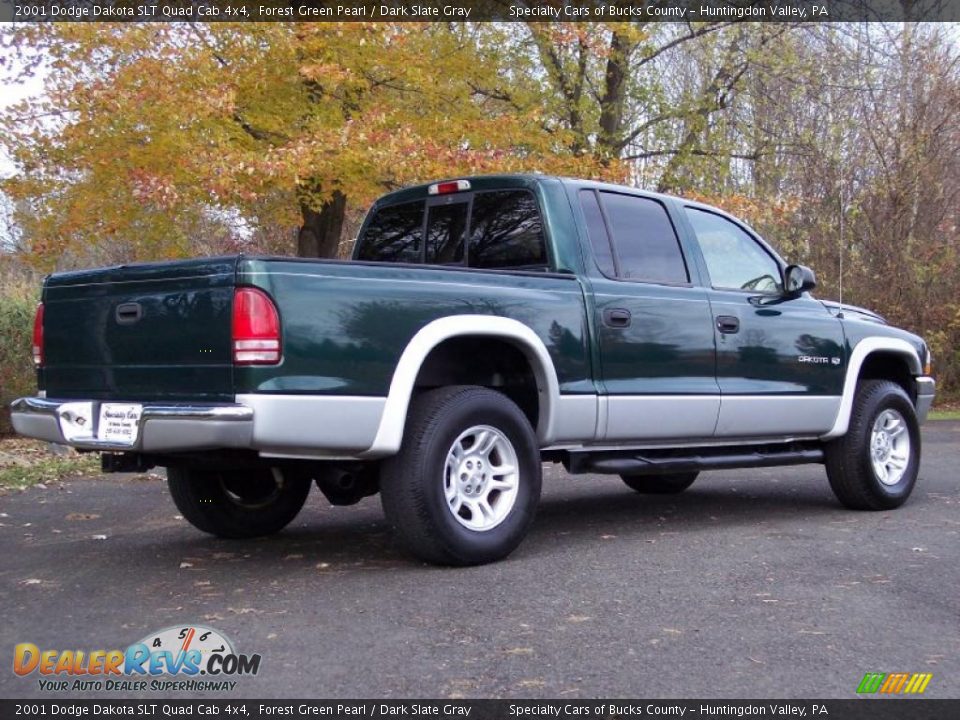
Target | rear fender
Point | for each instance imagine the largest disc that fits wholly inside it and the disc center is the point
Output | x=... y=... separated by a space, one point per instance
x=390 y=432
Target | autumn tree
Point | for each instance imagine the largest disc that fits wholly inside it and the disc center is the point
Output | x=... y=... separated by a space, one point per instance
x=152 y=133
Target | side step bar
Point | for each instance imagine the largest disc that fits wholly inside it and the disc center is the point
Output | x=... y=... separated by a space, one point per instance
x=675 y=460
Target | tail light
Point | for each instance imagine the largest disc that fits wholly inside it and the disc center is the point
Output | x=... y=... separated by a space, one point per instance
x=256 y=328
x=38 y=336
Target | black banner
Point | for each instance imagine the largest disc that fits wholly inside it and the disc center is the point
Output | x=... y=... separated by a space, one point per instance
x=864 y=709
x=478 y=10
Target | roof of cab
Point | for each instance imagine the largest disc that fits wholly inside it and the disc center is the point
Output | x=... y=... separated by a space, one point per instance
x=488 y=182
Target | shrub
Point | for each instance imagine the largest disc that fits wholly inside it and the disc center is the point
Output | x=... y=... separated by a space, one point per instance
x=18 y=302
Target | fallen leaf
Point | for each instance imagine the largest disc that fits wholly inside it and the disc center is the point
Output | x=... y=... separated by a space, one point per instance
x=532 y=683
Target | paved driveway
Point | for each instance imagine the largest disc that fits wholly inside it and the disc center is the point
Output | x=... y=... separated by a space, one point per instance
x=751 y=584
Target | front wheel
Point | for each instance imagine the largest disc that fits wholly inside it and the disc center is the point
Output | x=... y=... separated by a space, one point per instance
x=874 y=466
x=238 y=503
x=666 y=484
x=465 y=485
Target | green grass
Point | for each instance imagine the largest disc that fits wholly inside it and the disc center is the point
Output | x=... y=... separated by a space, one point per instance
x=24 y=463
x=944 y=415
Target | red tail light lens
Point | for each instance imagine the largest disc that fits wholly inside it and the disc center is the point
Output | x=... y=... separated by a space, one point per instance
x=256 y=328
x=38 y=336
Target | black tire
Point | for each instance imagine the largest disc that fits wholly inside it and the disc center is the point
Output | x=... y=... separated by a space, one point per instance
x=848 y=459
x=238 y=503
x=669 y=484
x=414 y=483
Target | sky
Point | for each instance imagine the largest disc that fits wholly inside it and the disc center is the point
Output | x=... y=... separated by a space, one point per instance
x=10 y=93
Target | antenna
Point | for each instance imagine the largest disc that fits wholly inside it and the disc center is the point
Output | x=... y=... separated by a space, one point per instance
x=842 y=243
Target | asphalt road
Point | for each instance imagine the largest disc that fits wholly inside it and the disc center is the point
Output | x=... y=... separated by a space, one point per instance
x=750 y=584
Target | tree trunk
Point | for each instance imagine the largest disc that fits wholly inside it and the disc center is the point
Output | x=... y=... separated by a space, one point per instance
x=610 y=139
x=319 y=234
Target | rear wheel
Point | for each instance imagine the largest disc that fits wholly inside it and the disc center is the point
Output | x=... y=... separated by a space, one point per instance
x=874 y=466
x=667 y=484
x=238 y=503
x=465 y=485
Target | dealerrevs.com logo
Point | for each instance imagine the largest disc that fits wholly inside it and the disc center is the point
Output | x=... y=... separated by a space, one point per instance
x=185 y=658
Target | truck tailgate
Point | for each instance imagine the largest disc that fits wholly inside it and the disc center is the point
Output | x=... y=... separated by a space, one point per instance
x=142 y=332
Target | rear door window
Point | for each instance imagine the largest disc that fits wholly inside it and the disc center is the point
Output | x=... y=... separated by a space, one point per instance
x=597 y=232
x=506 y=231
x=395 y=234
x=647 y=247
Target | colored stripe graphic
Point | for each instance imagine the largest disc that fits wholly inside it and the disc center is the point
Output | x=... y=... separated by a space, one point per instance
x=894 y=683
x=871 y=682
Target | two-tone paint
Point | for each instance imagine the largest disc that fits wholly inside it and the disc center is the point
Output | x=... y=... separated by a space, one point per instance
x=355 y=335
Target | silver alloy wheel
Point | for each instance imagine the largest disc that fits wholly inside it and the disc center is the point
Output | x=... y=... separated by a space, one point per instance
x=481 y=478
x=890 y=447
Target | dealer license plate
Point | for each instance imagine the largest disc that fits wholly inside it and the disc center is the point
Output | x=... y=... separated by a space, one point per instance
x=119 y=423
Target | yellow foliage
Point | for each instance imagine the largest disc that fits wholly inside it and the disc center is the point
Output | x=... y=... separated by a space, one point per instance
x=156 y=125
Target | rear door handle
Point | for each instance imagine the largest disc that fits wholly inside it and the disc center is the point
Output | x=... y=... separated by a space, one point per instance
x=728 y=324
x=616 y=317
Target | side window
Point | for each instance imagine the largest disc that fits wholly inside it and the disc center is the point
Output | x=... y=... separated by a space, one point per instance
x=734 y=260
x=446 y=228
x=646 y=244
x=395 y=234
x=597 y=232
x=506 y=231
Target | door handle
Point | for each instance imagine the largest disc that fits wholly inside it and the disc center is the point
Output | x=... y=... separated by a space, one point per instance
x=128 y=313
x=616 y=317
x=728 y=324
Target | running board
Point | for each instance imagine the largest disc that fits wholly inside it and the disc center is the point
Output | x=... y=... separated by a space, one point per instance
x=677 y=460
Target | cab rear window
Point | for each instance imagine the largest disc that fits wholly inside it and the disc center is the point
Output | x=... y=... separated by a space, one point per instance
x=395 y=234
x=494 y=229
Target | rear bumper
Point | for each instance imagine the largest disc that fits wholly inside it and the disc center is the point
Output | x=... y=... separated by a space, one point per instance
x=163 y=427
x=926 y=390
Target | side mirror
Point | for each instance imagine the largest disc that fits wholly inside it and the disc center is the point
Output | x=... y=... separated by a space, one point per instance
x=798 y=280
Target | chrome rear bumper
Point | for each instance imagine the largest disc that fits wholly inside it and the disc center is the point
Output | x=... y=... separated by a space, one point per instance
x=162 y=427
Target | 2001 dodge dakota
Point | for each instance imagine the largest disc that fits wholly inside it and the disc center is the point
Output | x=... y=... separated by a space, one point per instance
x=484 y=324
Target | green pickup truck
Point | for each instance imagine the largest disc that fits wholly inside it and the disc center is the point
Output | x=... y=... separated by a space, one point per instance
x=484 y=325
